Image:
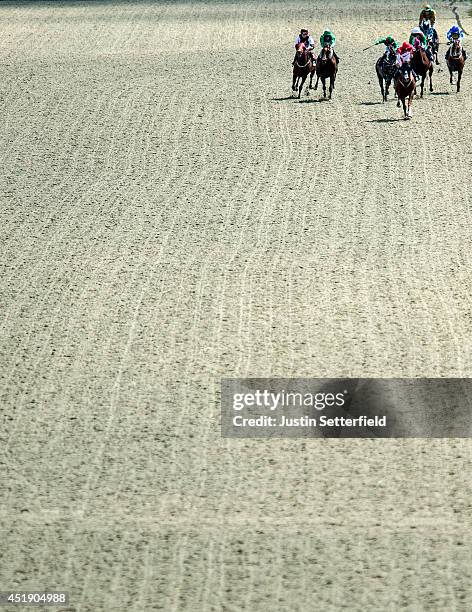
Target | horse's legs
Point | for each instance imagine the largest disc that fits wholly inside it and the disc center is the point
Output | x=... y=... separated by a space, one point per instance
x=323 y=80
x=423 y=79
x=431 y=78
x=302 y=82
x=381 y=83
x=388 y=82
x=331 y=86
x=410 y=102
x=317 y=81
x=294 y=81
x=459 y=77
x=450 y=72
x=404 y=106
x=311 y=79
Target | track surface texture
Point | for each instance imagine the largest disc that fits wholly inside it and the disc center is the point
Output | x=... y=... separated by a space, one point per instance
x=169 y=217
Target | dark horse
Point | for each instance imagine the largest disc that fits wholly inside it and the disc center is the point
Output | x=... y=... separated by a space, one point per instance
x=405 y=87
x=423 y=66
x=326 y=67
x=455 y=62
x=386 y=68
x=302 y=67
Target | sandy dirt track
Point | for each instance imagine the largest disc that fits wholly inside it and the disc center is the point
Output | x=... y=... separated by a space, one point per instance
x=170 y=217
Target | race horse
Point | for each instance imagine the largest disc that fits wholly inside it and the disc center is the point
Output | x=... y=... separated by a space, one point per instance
x=455 y=62
x=326 y=68
x=386 y=68
x=302 y=67
x=432 y=38
x=423 y=67
x=405 y=87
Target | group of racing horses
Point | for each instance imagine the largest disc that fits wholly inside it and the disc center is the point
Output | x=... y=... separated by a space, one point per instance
x=422 y=65
x=405 y=80
x=325 y=67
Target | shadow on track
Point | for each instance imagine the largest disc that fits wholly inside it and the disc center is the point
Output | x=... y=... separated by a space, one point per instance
x=369 y=103
x=311 y=101
x=384 y=120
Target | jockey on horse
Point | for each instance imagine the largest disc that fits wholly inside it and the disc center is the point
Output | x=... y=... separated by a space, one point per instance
x=418 y=39
x=455 y=34
x=426 y=23
x=386 y=66
x=391 y=47
x=404 y=56
x=328 y=39
x=428 y=14
x=305 y=38
x=405 y=78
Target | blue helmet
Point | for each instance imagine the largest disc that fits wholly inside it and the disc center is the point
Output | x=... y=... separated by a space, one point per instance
x=455 y=30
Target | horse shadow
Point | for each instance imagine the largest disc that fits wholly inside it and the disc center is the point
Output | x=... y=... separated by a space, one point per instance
x=310 y=101
x=384 y=120
x=369 y=103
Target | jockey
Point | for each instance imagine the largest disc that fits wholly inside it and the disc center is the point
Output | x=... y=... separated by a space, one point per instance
x=455 y=33
x=404 y=56
x=305 y=38
x=328 y=38
x=428 y=13
x=389 y=42
x=418 y=39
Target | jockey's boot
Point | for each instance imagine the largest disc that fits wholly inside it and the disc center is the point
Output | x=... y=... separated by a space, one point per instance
x=464 y=54
x=336 y=57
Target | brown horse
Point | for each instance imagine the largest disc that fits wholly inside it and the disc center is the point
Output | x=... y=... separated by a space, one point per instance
x=405 y=87
x=455 y=62
x=423 y=66
x=326 y=67
x=302 y=67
